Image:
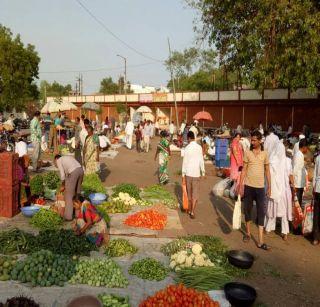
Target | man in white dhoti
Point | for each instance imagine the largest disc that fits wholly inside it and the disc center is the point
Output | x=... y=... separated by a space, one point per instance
x=129 y=132
x=280 y=202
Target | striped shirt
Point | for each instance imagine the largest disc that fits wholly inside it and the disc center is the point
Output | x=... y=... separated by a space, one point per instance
x=255 y=168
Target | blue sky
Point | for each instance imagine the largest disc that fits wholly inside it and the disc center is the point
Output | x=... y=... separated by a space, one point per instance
x=68 y=39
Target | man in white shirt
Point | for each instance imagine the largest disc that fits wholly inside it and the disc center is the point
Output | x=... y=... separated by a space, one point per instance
x=296 y=145
x=299 y=170
x=316 y=203
x=172 y=128
x=147 y=133
x=129 y=132
x=182 y=127
x=192 y=170
x=71 y=175
x=21 y=148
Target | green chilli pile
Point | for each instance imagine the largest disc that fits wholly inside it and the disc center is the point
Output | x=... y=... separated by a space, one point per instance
x=120 y=247
x=46 y=219
x=44 y=269
x=99 y=272
x=112 y=300
x=148 y=269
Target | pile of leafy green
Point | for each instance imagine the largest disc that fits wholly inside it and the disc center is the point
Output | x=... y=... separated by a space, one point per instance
x=46 y=219
x=92 y=184
x=36 y=185
x=63 y=241
x=51 y=180
x=129 y=188
x=158 y=194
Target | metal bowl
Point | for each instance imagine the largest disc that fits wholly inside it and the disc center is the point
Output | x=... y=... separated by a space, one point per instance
x=97 y=198
x=239 y=294
x=30 y=211
x=240 y=259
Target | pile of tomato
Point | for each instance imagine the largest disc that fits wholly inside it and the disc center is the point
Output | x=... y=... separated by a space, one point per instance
x=179 y=296
x=151 y=219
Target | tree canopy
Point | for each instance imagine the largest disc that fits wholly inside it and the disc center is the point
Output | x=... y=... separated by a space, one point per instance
x=271 y=43
x=108 y=87
x=18 y=70
x=197 y=70
x=54 y=89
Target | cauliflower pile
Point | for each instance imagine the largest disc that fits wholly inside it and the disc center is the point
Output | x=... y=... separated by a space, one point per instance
x=126 y=199
x=189 y=258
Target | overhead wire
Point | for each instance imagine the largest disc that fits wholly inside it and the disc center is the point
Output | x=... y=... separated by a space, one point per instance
x=94 y=70
x=115 y=35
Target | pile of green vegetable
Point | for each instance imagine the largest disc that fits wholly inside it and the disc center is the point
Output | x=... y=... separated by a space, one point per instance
x=14 y=241
x=103 y=272
x=104 y=214
x=158 y=194
x=46 y=219
x=115 y=206
x=149 y=269
x=212 y=247
x=44 y=269
x=7 y=263
x=173 y=247
x=120 y=247
x=51 y=180
x=129 y=188
x=37 y=185
x=92 y=184
x=203 y=278
x=63 y=242
x=112 y=300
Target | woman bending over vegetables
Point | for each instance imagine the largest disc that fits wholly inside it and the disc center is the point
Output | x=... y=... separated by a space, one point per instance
x=89 y=222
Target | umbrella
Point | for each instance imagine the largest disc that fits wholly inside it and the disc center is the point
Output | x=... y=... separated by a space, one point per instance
x=90 y=106
x=203 y=116
x=51 y=107
x=67 y=106
x=144 y=109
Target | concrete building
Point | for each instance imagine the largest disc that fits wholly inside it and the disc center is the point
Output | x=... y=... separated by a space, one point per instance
x=245 y=107
x=143 y=89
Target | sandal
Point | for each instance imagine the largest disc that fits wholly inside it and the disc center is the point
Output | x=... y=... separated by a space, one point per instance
x=315 y=242
x=192 y=216
x=246 y=238
x=264 y=246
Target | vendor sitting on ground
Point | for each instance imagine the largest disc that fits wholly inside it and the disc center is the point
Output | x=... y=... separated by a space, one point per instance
x=89 y=222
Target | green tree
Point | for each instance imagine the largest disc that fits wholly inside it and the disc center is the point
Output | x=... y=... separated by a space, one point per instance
x=108 y=87
x=54 y=89
x=18 y=70
x=268 y=42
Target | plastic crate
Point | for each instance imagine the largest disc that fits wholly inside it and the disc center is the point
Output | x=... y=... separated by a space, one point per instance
x=8 y=169
x=9 y=206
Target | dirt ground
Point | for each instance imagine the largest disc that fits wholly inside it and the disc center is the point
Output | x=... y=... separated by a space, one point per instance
x=288 y=275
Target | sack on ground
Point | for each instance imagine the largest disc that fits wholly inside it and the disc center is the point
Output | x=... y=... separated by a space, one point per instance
x=219 y=187
x=307 y=223
x=236 y=218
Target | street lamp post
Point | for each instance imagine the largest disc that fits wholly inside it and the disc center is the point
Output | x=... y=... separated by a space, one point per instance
x=125 y=79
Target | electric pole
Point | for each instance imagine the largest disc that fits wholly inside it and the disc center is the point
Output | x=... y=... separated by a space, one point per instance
x=125 y=79
x=173 y=84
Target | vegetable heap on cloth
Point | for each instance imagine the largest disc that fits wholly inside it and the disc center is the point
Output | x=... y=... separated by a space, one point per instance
x=179 y=295
x=191 y=257
x=147 y=219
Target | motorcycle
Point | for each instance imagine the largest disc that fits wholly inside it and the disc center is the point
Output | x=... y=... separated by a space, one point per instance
x=7 y=142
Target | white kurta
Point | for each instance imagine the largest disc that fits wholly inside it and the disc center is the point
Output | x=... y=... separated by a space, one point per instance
x=129 y=132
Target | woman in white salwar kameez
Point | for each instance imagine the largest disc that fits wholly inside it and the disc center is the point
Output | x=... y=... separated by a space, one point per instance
x=281 y=205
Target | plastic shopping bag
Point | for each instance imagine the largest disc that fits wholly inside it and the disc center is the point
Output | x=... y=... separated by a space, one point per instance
x=297 y=214
x=307 y=223
x=236 y=219
x=185 y=201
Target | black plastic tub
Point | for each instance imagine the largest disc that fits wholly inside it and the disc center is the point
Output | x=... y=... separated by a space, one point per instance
x=240 y=259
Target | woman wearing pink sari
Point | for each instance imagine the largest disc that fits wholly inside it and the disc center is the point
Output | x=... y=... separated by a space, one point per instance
x=236 y=157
